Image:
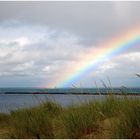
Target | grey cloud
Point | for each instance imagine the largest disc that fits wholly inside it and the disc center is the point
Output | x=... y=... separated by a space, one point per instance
x=90 y=20
x=59 y=33
x=121 y=71
x=53 y=49
x=123 y=66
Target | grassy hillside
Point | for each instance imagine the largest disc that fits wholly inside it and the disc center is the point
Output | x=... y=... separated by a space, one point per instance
x=110 y=118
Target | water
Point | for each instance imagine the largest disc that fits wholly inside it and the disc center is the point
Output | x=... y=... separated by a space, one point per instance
x=15 y=101
x=69 y=90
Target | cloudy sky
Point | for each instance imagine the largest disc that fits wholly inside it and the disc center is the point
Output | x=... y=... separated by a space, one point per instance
x=40 y=41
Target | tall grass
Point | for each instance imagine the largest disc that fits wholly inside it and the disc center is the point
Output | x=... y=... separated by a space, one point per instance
x=110 y=106
x=112 y=117
x=128 y=123
x=35 y=122
x=80 y=120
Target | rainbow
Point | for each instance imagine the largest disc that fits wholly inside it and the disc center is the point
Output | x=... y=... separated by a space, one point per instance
x=97 y=55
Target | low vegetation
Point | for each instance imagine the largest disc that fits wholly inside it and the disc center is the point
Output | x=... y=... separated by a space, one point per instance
x=110 y=118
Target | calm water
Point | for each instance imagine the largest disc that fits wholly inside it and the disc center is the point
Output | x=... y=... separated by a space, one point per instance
x=15 y=101
x=70 y=90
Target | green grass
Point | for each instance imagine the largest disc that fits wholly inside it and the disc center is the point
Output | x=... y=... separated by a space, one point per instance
x=35 y=122
x=81 y=120
x=128 y=124
x=110 y=118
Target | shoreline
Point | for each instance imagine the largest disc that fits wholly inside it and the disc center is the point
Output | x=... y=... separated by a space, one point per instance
x=84 y=93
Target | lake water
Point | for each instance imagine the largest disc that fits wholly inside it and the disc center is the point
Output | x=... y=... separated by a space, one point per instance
x=15 y=101
x=69 y=90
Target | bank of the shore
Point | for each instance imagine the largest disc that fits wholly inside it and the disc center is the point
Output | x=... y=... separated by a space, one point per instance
x=83 y=93
x=110 y=118
x=76 y=90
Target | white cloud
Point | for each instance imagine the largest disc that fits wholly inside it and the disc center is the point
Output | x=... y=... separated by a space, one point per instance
x=22 y=41
x=109 y=65
x=51 y=50
x=39 y=52
x=125 y=65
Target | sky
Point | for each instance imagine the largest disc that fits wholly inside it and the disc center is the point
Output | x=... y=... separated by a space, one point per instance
x=41 y=41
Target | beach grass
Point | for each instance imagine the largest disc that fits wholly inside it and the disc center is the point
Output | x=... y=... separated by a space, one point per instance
x=128 y=124
x=34 y=122
x=113 y=117
x=81 y=120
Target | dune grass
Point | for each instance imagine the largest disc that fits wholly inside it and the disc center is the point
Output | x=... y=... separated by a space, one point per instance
x=128 y=123
x=35 y=122
x=112 y=117
x=81 y=120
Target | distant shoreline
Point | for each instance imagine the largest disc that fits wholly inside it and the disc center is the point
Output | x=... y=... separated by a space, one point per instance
x=84 y=93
